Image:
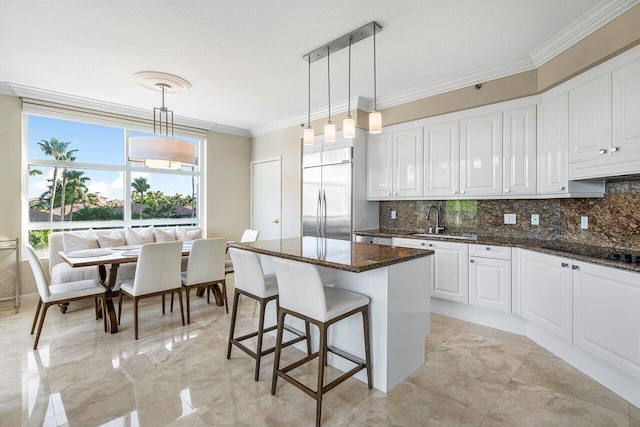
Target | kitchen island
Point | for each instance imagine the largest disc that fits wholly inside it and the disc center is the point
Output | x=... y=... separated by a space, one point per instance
x=397 y=280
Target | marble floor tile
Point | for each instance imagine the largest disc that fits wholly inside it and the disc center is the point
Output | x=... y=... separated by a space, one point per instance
x=634 y=416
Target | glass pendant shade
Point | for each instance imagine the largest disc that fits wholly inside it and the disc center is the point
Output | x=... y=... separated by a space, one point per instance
x=308 y=136
x=349 y=127
x=375 y=121
x=161 y=152
x=329 y=132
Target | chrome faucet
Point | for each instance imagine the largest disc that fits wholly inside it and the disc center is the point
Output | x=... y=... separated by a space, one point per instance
x=438 y=228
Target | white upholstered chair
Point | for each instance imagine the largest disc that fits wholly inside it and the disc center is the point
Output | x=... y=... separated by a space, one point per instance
x=249 y=235
x=303 y=295
x=250 y=281
x=60 y=293
x=157 y=273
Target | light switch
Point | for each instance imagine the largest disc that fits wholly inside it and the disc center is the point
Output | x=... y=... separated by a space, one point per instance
x=509 y=218
x=584 y=222
x=393 y=214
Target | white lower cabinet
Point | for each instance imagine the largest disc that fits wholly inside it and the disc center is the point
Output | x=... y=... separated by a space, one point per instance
x=490 y=277
x=450 y=272
x=606 y=314
x=546 y=292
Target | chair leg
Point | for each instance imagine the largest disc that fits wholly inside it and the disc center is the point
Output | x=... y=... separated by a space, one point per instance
x=307 y=329
x=181 y=306
x=120 y=306
x=188 y=291
x=103 y=300
x=276 y=360
x=367 y=345
x=162 y=303
x=171 y=308
x=224 y=295
x=95 y=304
x=234 y=314
x=322 y=354
x=44 y=314
x=135 y=316
x=35 y=318
x=263 y=305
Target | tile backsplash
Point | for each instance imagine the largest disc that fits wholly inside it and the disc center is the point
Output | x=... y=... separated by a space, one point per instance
x=614 y=220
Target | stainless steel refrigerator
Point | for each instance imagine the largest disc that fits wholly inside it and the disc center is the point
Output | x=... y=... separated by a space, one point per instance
x=333 y=204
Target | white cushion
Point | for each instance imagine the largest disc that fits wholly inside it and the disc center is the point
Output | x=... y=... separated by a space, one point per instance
x=138 y=236
x=270 y=286
x=340 y=302
x=78 y=242
x=70 y=290
x=185 y=235
x=64 y=273
x=166 y=235
x=110 y=240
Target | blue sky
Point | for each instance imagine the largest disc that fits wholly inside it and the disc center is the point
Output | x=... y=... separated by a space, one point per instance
x=95 y=144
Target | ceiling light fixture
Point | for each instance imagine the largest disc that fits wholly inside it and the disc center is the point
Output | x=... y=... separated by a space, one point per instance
x=348 y=124
x=162 y=150
x=375 y=116
x=329 y=128
x=308 y=132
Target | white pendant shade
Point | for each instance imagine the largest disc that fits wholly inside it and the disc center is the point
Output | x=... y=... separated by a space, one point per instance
x=308 y=136
x=161 y=152
x=375 y=121
x=349 y=127
x=329 y=132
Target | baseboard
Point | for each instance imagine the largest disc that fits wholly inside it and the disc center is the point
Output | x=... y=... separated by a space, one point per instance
x=482 y=316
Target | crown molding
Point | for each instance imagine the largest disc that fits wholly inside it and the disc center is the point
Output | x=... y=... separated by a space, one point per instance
x=594 y=19
x=5 y=89
x=109 y=107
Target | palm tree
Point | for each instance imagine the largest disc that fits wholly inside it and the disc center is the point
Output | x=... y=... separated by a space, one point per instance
x=58 y=150
x=78 y=187
x=140 y=185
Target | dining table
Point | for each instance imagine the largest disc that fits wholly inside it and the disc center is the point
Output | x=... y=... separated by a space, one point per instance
x=108 y=260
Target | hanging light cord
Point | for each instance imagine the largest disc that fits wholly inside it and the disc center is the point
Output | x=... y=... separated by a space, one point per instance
x=309 y=97
x=375 y=104
x=349 y=100
x=329 y=81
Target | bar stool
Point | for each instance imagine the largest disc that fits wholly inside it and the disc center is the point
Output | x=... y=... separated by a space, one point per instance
x=303 y=295
x=250 y=281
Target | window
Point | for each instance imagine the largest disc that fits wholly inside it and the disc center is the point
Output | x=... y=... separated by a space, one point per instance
x=79 y=177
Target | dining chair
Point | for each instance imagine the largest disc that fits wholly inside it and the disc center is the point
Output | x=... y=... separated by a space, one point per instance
x=157 y=273
x=60 y=293
x=303 y=295
x=249 y=235
x=252 y=282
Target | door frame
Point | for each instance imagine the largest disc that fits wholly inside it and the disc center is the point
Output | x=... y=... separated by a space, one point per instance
x=277 y=159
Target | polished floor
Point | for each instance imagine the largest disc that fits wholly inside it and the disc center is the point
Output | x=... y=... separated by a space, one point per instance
x=177 y=375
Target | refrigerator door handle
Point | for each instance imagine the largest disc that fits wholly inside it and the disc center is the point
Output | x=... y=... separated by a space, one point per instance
x=324 y=220
x=318 y=214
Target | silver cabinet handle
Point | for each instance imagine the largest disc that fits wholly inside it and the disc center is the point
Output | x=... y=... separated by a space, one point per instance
x=455 y=192
x=471 y=261
x=395 y=194
x=561 y=188
x=614 y=149
x=488 y=248
x=430 y=244
x=422 y=244
x=565 y=265
x=506 y=190
x=388 y=194
x=462 y=191
x=575 y=267
x=603 y=151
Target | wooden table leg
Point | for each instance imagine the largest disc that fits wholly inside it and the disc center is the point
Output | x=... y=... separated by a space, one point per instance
x=217 y=295
x=111 y=311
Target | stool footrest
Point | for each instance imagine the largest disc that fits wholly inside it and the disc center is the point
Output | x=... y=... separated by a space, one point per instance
x=350 y=357
x=300 y=362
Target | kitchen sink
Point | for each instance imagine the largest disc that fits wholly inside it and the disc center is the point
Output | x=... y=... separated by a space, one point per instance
x=448 y=236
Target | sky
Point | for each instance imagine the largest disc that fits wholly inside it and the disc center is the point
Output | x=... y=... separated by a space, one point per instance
x=95 y=144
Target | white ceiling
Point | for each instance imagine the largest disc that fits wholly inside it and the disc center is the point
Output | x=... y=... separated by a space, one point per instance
x=244 y=58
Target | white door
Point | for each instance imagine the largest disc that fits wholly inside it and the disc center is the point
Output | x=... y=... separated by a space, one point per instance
x=407 y=163
x=266 y=197
x=441 y=162
x=481 y=155
x=519 y=151
x=553 y=145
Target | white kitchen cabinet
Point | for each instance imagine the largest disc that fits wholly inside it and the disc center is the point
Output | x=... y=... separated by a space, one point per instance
x=441 y=160
x=553 y=145
x=490 y=283
x=379 y=166
x=626 y=110
x=407 y=163
x=450 y=272
x=481 y=155
x=606 y=314
x=546 y=292
x=519 y=151
x=590 y=119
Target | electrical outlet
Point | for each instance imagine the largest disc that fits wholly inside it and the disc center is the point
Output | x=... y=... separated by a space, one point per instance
x=393 y=214
x=535 y=219
x=584 y=222
x=509 y=218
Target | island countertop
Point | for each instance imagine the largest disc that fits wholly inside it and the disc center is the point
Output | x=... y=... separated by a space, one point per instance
x=339 y=254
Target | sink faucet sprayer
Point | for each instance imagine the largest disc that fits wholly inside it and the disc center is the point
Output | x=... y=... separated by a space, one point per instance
x=438 y=228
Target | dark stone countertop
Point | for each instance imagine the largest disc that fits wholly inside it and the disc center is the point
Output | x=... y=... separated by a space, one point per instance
x=600 y=255
x=338 y=254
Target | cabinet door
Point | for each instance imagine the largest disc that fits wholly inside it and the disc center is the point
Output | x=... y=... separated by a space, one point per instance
x=407 y=163
x=546 y=292
x=451 y=271
x=441 y=160
x=626 y=110
x=590 y=119
x=379 y=166
x=490 y=283
x=553 y=145
x=519 y=151
x=606 y=316
x=481 y=155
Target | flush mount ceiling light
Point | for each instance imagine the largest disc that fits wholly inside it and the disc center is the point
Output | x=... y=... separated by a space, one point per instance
x=161 y=150
x=375 y=117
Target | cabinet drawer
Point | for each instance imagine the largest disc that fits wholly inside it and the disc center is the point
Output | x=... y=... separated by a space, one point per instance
x=411 y=243
x=490 y=251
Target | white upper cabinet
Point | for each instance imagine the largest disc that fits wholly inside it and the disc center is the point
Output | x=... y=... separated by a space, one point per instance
x=407 y=163
x=553 y=145
x=590 y=119
x=441 y=160
x=481 y=155
x=519 y=151
x=379 y=165
x=626 y=111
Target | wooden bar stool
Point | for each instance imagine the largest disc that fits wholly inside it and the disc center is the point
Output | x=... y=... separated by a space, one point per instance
x=303 y=295
x=250 y=281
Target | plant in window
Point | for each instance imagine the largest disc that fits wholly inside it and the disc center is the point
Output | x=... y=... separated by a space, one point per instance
x=140 y=185
x=57 y=150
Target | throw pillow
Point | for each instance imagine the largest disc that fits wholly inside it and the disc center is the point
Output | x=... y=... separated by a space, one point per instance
x=110 y=240
x=139 y=236
x=185 y=235
x=167 y=235
x=78 y=242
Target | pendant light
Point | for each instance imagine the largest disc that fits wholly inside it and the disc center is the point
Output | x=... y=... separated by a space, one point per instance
x=375 y=116
x=308 y=132
x=329 y=128
x=348 y=124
